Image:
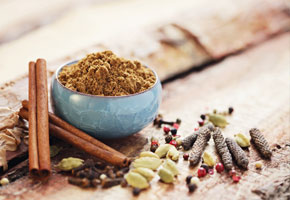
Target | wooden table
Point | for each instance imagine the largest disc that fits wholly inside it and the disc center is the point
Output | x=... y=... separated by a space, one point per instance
x=209 y=57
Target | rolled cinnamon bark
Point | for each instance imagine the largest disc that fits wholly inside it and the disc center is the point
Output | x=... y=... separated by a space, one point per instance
x=63 y=124
x=42 y=118
x=32 y=141
x=82 y=144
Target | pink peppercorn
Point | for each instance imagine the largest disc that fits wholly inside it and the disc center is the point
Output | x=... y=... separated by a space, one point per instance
x=175 y=125
x=200 y=122
x=211 y=171
x=219 y=167
x=196 y=129
x=173 y=142
x=236 y=178
x=166 y=129
x=154 y=143
x=232 y=172
x=185 y=156
x=201 y=172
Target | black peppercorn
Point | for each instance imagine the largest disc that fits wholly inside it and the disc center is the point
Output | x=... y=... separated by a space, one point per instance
x=231 y=110
x=205 y=166
x=178 y=121
x=202 y=117
x=188 y=178
x=192 y=187
x=124 y=183
x=173 y=131
x=153 y=147
x=168 y=138
x=136 y=191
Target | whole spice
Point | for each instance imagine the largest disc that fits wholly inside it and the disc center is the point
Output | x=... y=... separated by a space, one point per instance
x=218 y=120
x=185 y=156
x=4 y=181
x=232 y=172
x=236 y=178
x=148 y=154
x=176 y=126
x=124 y=183
x=210 y=171
x=147 y=162
x=171 y=166
x=237 y=153
x=201 y=172
x=192 y=187
x=166 y=129
x=173 y=154
x=195 y=180
x=208 y=159
x=136 y=191
x=70 y=163
x=168 y=138
x=200 y=122
x=205 y=166
x=178 y=121
x=173 y=131
x=108 y=182
x=162 y=150
x=189 y=141
x=188 y=179
x=105 y=74
x=203 y=116
x=222 y=149
x=231 y=110
x=199 y=146
x=242 y=140
x=136 y=180
x=173 y=143
x=258 y=165
x=82 y=182
x=154 y=147
x=261 y=143
x=179 y=142
x=219 y=167
x=166 y=175
x=147 y=173
x=95 y=182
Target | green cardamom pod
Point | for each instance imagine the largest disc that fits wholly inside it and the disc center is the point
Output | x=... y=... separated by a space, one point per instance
x=147 y=162
x=218 y=120
x=147 y=173
x=148 y=154
x=165 y=175
x=136 y=180
x=171 y=166
x=70 y=163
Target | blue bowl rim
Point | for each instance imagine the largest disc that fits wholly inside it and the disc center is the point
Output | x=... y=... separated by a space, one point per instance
x=99 y=96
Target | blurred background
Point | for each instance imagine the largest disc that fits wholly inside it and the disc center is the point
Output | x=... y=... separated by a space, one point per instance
x=172 y=36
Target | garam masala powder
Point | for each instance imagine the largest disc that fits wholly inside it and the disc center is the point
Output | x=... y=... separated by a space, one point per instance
x=105 y=74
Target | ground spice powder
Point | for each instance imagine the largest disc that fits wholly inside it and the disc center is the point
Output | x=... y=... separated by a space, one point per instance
x=105 y=74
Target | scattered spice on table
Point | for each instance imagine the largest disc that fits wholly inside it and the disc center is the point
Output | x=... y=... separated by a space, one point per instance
x=222 y=149
x=260 y=142
x=238 y=153
x=106 y=74
x=199 y=146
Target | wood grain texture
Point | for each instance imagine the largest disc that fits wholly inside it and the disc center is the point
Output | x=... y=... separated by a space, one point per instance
x=255 y=83
x=168 y=35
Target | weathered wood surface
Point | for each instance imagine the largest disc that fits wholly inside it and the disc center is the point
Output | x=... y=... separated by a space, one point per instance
x=255 y=83
x=167 y=33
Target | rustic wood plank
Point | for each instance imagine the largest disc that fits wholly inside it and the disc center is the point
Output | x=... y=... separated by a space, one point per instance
x=256 y=83
x=144 y=31
x=21 y=17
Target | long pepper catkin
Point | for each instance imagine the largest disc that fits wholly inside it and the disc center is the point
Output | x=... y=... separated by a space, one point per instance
x=238 y=153
x=189 y=140
x=260 y=142
x=222 y=149
x=199 y=146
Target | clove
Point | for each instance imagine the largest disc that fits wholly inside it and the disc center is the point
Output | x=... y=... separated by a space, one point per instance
x=108 y=182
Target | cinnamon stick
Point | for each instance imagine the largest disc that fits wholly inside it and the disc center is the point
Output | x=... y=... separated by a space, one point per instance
x=83 y=144
x=32 y=141
x=42 y=118
x=63 y=124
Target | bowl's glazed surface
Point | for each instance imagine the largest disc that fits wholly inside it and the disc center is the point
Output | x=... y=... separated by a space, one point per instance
x=105 y=117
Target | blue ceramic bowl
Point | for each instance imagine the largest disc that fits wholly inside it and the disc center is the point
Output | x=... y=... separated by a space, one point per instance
x=105 y=117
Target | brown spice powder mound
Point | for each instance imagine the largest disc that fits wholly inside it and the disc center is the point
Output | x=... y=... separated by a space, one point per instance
x=105 y=74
